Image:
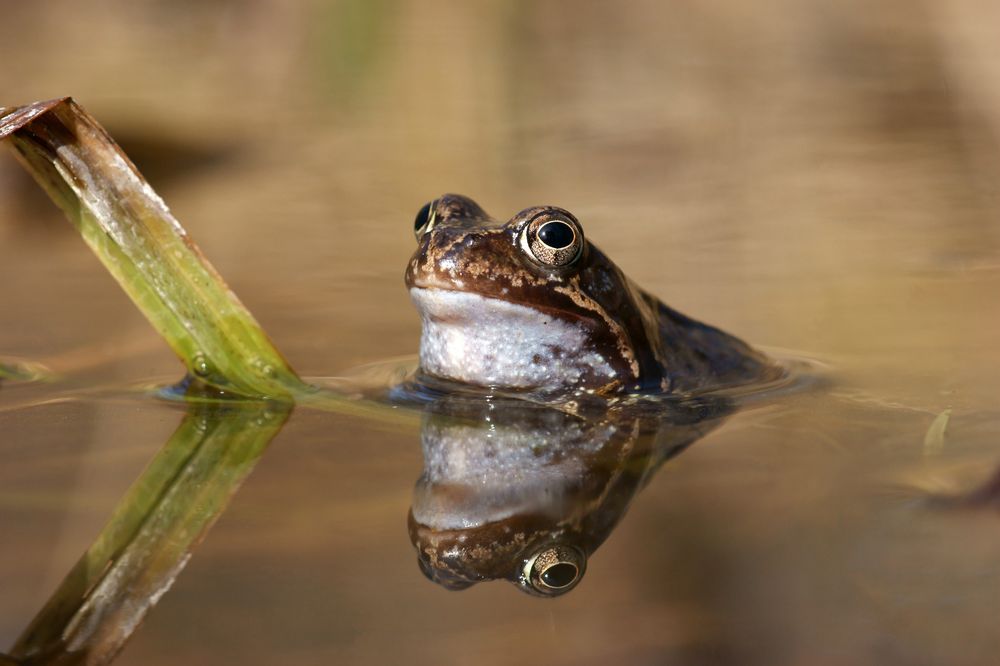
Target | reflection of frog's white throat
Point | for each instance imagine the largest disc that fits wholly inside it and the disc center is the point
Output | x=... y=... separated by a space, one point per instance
x=483 y=473
x=487 y=341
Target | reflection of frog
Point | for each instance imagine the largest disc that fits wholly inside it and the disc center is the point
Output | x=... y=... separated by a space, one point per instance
x=531 y=306
x=518 y=491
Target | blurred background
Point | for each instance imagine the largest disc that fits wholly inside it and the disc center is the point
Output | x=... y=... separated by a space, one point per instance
x=818 y=179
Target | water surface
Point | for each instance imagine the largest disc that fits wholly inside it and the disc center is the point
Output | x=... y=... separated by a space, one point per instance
x=807 y=180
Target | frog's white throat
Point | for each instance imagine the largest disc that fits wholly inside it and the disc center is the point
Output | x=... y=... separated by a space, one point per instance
x=491 y=342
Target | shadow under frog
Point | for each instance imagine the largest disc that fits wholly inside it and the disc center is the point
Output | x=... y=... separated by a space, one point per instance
x=525 y=492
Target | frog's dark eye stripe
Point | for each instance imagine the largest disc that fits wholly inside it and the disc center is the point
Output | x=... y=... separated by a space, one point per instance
x=424 y=220
x=553 y=241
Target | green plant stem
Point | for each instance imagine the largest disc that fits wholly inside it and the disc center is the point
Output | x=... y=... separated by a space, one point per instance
x=139 y=241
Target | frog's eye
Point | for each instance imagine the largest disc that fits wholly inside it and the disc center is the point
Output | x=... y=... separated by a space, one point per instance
x=425 y=220
x=554 y=570
x=553 y=241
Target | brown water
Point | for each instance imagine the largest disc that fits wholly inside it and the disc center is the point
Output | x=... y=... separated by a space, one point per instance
x=814 y=179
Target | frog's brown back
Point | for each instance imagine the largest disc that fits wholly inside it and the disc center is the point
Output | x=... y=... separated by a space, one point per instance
x=696 y=356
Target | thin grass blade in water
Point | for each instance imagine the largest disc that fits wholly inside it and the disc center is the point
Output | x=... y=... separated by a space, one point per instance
x=135 y=236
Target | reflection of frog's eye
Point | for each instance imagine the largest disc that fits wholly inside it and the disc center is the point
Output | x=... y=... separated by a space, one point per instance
x=554 y=570
x=553 y=242
x=425 y=220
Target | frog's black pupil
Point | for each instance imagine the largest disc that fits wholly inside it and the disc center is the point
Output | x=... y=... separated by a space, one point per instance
x=556 y=234
x=559 y=575
x=422 y=216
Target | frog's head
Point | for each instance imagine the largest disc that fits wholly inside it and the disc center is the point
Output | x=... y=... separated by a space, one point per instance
x=458 y=559
x=525 y=305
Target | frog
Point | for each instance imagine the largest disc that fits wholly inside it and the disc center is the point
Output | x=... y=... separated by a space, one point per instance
x=532 y=307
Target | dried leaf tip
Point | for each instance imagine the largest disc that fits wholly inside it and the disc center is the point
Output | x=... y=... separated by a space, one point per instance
x=15 y=117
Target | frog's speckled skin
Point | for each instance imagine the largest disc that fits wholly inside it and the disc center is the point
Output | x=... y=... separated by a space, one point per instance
x=494 y=316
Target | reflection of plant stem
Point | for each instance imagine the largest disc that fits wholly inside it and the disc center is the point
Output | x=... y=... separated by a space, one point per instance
x=150 y=536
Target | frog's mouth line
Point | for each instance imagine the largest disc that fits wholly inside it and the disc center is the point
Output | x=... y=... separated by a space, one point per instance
x=445 y=304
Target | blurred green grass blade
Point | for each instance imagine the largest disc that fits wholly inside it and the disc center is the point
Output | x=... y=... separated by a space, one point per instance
x=24 y=371
x=151 y=533
x=135 y=236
